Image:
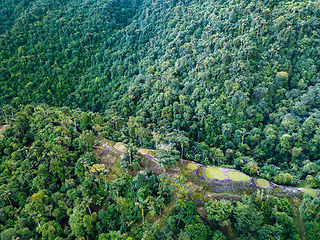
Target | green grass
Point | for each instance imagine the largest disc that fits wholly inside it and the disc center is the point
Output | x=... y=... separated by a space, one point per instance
x=310 y=191
x=192 y=166
x=238 y=176
x=213 y=172
x=262 y=183
x=198 y=195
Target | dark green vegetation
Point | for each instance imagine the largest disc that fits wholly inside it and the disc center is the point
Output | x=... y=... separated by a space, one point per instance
x=239 y=80
x=233 y=83
x=53 y=187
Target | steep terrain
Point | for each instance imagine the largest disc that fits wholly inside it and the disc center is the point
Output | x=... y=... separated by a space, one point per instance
x=233 y=86
x=239 y=79
x=209 y=180
x=58 y=180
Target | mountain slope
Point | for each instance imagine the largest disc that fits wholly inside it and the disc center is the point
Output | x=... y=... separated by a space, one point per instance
x=53 y=186
x=52 y=44
x=239 y=79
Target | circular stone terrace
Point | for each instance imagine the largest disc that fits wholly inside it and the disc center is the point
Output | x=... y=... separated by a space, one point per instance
x=226 y=177
x=220 y=174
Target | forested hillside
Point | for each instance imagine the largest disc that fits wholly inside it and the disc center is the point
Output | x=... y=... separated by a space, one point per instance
x=239 y=79
x=231 y=83
x=51 y=46
x=52 y=186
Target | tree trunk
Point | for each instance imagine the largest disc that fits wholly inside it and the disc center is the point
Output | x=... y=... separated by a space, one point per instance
x=90 y=211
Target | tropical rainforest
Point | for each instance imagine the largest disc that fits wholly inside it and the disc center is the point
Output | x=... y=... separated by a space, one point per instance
x=232 y=83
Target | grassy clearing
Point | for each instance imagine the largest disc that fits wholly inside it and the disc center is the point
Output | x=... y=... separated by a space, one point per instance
x=198 y=195
x=310 y=191
x=238 y=176
x=213 y=172
x=192 y=166
x=120 y=147
x=262 y=183
x=143 y=151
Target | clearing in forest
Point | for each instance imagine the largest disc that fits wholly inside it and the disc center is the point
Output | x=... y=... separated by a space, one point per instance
x=262 y=183
x=192 y=166
x=238 y=176
x=213 y=172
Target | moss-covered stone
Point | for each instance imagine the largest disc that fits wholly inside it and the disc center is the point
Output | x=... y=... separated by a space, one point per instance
x=201 y=171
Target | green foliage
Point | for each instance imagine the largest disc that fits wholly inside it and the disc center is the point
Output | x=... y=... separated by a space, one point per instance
x=284 y=178
x=183 y=220
x=261 y=216
x=53 y=186
x=167 y=155
x=247 y=219
x=198 y=231
x=8 y=234
x=248 y=89
x=309 y=211
x=219 y=211
x=218 y=82
x=218 y=235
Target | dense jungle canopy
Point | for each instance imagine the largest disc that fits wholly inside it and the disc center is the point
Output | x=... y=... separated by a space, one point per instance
x=231 y=83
